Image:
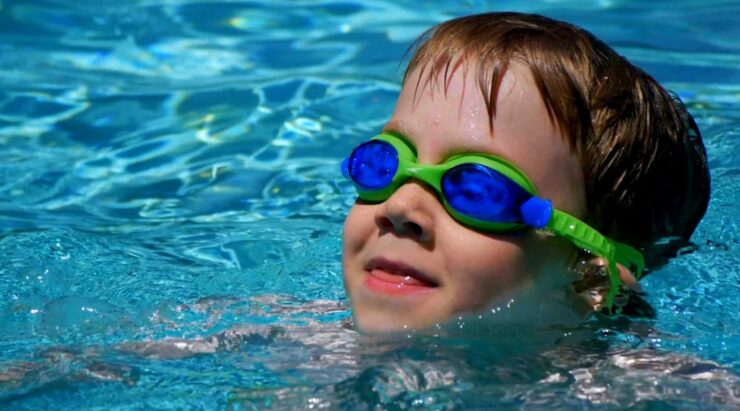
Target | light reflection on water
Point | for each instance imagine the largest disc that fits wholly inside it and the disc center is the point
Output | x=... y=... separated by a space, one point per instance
x=170 y=177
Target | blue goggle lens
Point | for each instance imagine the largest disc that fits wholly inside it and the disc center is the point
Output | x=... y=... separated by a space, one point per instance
x=482 y=193
x=372 y=165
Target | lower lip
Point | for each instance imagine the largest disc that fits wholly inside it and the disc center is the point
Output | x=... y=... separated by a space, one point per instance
x=386 y=283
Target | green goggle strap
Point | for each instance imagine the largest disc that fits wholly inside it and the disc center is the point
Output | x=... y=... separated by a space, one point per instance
x=587 y=238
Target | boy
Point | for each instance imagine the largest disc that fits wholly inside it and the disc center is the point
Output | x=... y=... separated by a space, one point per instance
x=511 y=108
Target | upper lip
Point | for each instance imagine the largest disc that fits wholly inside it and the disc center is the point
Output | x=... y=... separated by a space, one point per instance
x=399 y=268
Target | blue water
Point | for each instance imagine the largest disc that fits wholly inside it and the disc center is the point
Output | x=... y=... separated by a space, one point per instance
x=171 y=210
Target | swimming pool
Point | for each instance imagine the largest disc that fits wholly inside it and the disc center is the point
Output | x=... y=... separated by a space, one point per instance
x=171 y=209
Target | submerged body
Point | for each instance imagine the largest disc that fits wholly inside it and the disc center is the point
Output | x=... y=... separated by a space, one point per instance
x=330 y=364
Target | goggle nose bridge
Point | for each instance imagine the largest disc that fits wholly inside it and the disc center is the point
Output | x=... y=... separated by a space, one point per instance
x=429 y=175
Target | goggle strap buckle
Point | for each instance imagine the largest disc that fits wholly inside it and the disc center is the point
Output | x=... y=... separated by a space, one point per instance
x=536 y=212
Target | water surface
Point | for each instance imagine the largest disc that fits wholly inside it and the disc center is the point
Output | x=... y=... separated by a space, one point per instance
x=171 y=210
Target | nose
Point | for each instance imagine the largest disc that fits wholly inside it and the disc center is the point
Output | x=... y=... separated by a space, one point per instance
x=409 y=212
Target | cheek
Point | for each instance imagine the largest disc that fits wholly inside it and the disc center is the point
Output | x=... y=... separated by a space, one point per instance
x=357 y=228
x=484 y=269
x=489 y=270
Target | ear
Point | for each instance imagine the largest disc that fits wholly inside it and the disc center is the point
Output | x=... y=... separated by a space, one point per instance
x=628 y=278
x=625 y=274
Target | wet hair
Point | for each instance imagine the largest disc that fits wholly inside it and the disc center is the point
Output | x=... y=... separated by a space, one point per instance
x=643 y=160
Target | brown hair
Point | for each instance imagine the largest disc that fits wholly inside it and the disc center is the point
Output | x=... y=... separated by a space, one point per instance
x=644 y=164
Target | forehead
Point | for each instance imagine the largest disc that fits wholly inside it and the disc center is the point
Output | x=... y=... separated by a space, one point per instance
x=445 y=116
x=452 y=105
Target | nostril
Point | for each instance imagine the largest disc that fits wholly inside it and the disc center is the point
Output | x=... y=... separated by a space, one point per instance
x=385 y=223
x=404 y=228
x=413 y=228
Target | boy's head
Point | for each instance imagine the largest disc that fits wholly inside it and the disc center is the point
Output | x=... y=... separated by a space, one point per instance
x=597 y=136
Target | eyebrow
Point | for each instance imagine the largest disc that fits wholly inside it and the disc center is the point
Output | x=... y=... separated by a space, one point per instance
x=393 y=128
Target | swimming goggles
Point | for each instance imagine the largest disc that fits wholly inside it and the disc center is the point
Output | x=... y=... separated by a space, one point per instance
x=484 y=192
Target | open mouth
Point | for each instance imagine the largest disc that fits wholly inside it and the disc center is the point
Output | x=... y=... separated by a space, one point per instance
x=396 y=278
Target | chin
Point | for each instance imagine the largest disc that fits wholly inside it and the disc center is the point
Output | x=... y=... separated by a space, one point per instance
x=370 y=321
x=376 y=310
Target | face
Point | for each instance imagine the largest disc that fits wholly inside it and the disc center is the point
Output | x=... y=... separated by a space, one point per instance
x=408 y=264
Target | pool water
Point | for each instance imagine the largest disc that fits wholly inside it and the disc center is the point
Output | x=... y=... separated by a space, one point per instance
x=171 y=209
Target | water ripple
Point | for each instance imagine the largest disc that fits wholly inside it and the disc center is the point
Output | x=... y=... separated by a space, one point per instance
x=170 y=183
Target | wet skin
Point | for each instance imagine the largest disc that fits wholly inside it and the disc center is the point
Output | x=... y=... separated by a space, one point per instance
x=408 y=263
